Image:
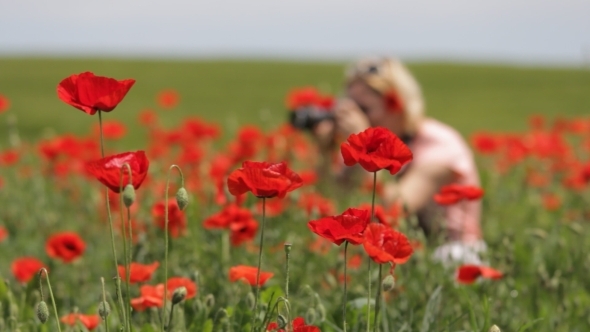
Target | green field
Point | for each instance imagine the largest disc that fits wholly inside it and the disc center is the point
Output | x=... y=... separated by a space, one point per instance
x=469 y=97
x=536 y=233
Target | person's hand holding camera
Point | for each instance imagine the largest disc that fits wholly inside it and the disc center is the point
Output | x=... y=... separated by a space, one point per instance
x=349 y=118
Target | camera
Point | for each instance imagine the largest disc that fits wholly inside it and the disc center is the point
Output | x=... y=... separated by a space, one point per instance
x=305 y=118
x=308 y=107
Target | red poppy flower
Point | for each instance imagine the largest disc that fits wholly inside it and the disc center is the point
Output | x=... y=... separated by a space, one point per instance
x=90 y=93
x=485 y=143
x=66 y=246
x=177 y=282
x=468 y=274
x=168 y=99
x=551 y=202
x=375 y=149
x=384 y=244
x=25 y=268
x=89 y=321
x=176 y=218
x=3 y=231
x=4 y=103
x=454 y=193
x=349 y=226
x=9 y=157
x=138 y=272
x=248 y=273
x=263 y=179
x=298 y=326
x=147 y=117
x=307 y=96
x=150 y=296
x=380 y=215
x=108 y=170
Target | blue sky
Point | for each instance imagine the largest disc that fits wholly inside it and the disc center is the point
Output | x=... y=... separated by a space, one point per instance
x=535 y=31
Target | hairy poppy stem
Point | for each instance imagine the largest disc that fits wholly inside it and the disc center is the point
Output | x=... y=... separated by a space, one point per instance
x=344 y=301
x=127 y=248
x=378 y=299
x=259 y=263
x=369 y=265
x=104 y=300
x=287 y=256
x=44 y=270
x=118 y=281
x=166 y=240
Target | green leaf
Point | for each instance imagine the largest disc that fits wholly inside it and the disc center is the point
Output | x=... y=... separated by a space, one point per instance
x=431 y=309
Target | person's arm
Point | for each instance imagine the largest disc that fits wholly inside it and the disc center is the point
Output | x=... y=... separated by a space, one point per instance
x=416 y=188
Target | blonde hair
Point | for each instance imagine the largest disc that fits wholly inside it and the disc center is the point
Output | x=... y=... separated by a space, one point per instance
x=386 y=74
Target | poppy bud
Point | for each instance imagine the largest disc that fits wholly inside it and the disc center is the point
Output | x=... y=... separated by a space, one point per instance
x=288 y=248
x=128 y=195
x=181 y=198
x=494 y=328
x=250 y=300
x=178 y=295
x=310 y=316
x=42 y=312
x=281 y=321
x=209 y=301
x=104 y=309
x=388 y=283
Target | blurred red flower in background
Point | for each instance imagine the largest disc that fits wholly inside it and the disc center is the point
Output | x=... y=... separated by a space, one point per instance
x=108 y=170
x=176 y=218
x=111 y=129
x=248 y=273
x=9 y=157
x=454 y=193
x=90 y=93
x=375 y=149
x=308 y=96
x=4 y=103
x=138 y=272
x=150 y=296
x=298 y=325
x=25 y=268
x=263 y=179
x=3 y=231
x=349 y=226
x=168 y=99
x=177 y=282
x=384 y=244
x=66 y=246
x=468 y=274
x=238 y=220
x=89 y=321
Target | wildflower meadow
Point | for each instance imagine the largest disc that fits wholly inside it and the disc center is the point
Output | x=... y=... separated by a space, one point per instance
x=205 y=223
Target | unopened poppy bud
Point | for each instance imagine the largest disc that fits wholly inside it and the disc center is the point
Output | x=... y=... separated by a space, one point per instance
x=42 y=312
x=104 y=309
x=310 y=316
x=250 y=300
x=178 y=295
x=494 y=328
x=209 y=301
x=288 y=248
x=388 y=283
x=128 y=195
x=181 y=198
x=281 y=321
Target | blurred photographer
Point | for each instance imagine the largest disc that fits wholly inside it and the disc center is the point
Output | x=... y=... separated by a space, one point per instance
x=382 y=92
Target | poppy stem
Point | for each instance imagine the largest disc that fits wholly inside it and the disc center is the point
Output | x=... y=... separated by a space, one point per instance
x=44 y=270
x=166 y=240
x=378 y=299
x=105 y=303
x=369 y=265
x=118 y=281
x=344 y=301
x=287 y=256
x=259 y=263
x=127 y=247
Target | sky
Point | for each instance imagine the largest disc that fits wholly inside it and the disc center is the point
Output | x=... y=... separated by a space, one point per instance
x=523 y=31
